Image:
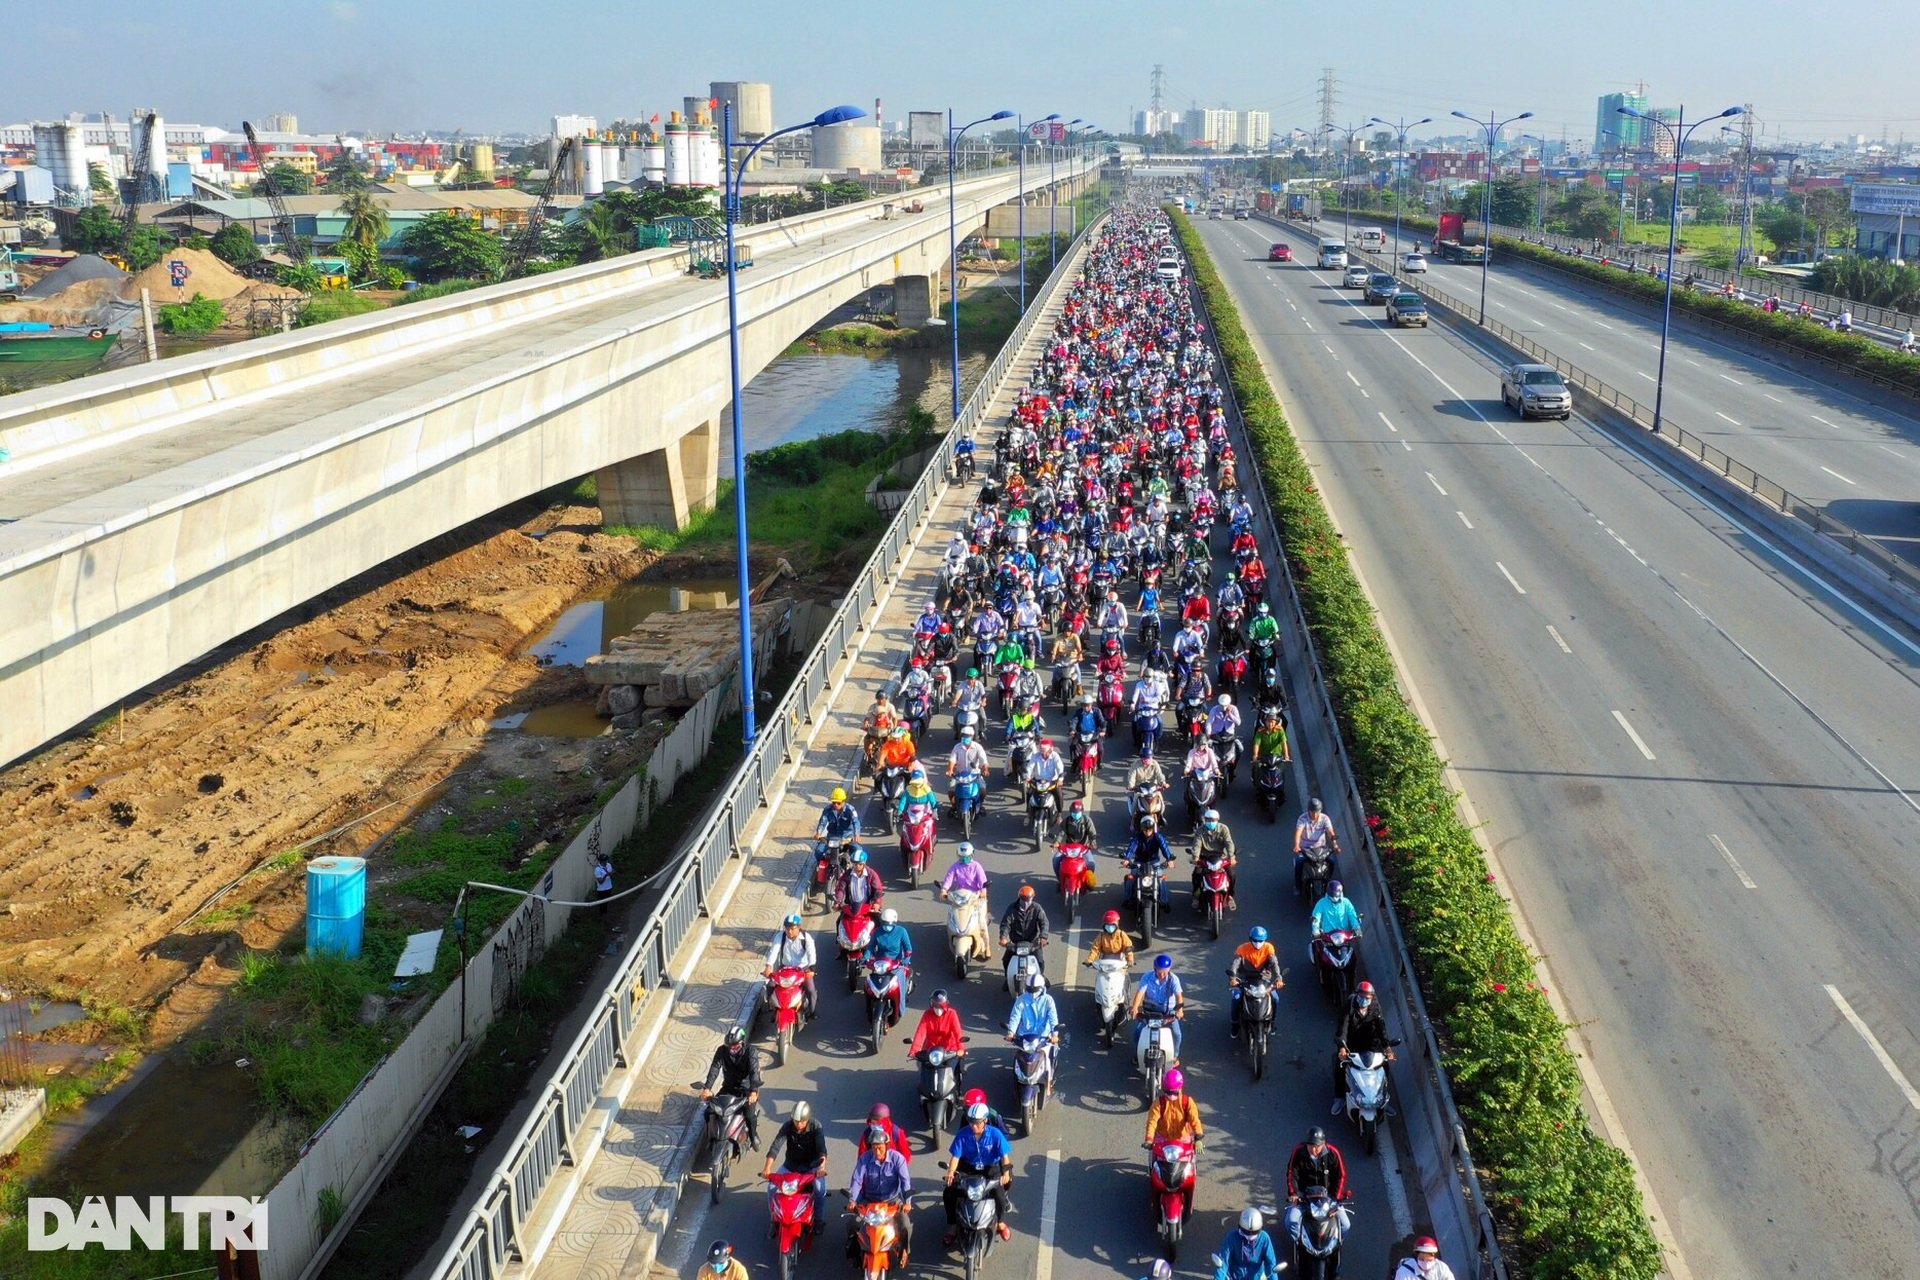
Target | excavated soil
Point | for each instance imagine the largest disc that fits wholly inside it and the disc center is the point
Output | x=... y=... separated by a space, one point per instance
x=114 y=841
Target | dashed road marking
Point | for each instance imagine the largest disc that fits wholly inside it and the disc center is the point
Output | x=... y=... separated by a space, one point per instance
x=1873 y=1043
x=1724 y=418
x=1836 y=475
x=1436 y=484
x=1463 y=519
x=1558 y=639
x=1509 y=577
x=1733 y=862
x=1390 y=426
x=1638 y=741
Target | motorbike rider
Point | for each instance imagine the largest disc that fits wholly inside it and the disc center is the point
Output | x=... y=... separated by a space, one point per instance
x=792 y=948
x=967 y=755
x=896 y=752
x=722 y=1265
x=1247 y=1252
x=1174 y=1115
x=880 y=1116
x=880 y=721
x=971 y=693
x=965 y=873
x=929 y=620
x=803 y=1143
x=979 y=1148
x=978 y=1098
x=1224 y=716
x=1026 y=685
x=1195 y=687
x=1314 y=830
x=1363 y=1029
x=1045 y=768
x=1270 y=738
x=838 y=821
x=1160 y=995
x=1316 y=1163
x=1068 y=653
x=891 y=942
x=859 y=883
x=1201 y=759
x=1024 y=921
x=1087 y=720
x=1113 y=614
x=1147 y=849
x=1076 y=827
x=1213 y=849
x=1111 y=941
x=915 y=796
x=1146 y=772
x=1148 y=696
x=939 y=1028
x=1009 y=651
x=1335 y=911
x=1253 y=961
x=1264 y=630
x=1425 y=1263
x=881 y=1175
x=1036 y=1014
x=733 y=1068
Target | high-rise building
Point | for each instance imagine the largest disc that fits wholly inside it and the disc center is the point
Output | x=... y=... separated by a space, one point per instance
x=1661 y=140
x=1156 y=120
x=282 y=122
x=1216 y=127
x=1613 y=131
x=1256 y=130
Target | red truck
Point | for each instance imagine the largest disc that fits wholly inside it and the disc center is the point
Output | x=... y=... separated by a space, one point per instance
x=1450 y=240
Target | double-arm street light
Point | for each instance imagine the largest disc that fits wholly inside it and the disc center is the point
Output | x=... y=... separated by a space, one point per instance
x=1023 y=127
x=1540 y=199
x=1679 y=131
x=1346 y=203
x=1399 y=194
x=1053 y=197
x=734 y=174
x=1086 y=131
x=953 y=236
x=1491 y=127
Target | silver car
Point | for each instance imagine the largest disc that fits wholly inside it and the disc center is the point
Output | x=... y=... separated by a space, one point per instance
x=1356 y=277
x=1536 y=391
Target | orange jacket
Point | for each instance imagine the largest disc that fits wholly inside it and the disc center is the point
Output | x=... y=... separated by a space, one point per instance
x=896 y=751
x=1174 y=1115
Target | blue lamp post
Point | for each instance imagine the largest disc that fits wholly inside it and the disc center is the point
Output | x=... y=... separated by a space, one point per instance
x=1047 y=119
x=1053 y=201
x=1540 y=200
x=1086 y=131
x=731 y=203
x=1679 y=131
x=1399 y=192
x=953 y=237
x=1491 y=128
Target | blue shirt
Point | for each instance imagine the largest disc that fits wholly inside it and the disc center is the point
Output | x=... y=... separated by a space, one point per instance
x=1033 y=1014
x=1243 y=1259
x=1329 y=915
x=891 y=941
x=980 y=1150
x=1160 y=996
x=877 y=1179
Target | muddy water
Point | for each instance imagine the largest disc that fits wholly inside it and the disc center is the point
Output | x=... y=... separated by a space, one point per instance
x=798 y=397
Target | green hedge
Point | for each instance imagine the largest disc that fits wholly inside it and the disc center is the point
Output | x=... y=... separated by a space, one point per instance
x=1854 y=352
x=1565 y=1200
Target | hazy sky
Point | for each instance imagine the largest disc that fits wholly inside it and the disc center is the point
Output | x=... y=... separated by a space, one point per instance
x=485 y=65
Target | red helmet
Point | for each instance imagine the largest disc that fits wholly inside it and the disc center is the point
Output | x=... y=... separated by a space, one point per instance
x=1426 y=1244
x=1364 y=989
x=1112 y=917
x=974 y=1097
x=1026 y=891
x=1113 y=645
x=946 y=629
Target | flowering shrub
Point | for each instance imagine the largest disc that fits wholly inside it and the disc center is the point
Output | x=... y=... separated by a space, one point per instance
x=1565 y=1200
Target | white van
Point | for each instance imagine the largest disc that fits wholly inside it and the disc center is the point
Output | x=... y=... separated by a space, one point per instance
x=1168 y=268
x=1333 y=254
x=1372 y=239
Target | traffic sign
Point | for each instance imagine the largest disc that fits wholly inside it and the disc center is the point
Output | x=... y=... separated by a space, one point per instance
x=178 y=271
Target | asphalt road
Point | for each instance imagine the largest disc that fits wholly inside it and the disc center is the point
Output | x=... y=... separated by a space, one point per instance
x=1828 y=446
x=1081 y=1199
x=1689 y=763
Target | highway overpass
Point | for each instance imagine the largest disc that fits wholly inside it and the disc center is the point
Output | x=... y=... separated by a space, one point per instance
x=151 y=514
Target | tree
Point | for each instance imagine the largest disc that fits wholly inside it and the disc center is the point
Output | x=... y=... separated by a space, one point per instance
x=289 y=180
x=1783 y=226
x=1830 y=210
x=603 y=232
x=144 y=248
x=344 y=173
x=367 y=223
x=1585 y=211
x=233 y=244
x=98 y=179
x=446 y=245
x=303 y=276
x=361 y=258
x=201 y=315
x=1513 y=201
x=95 y=230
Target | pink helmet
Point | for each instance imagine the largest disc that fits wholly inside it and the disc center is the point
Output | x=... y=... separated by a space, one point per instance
x=1176 y=1080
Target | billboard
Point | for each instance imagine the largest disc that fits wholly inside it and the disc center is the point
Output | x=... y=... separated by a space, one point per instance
x=926 y=128
x=1896 y=198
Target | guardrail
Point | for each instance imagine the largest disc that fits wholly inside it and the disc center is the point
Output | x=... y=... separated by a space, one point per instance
x=1894 y=568
x=494 y=1236
x=1477 y=1227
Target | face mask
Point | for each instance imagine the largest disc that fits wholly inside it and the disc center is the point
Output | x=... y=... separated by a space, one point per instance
x=1111 y=928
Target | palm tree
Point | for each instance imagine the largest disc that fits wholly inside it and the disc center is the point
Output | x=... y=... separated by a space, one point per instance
x=367 y=222
x=601 y=234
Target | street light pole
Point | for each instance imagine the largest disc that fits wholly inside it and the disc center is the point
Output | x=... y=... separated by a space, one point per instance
x=734 y=175
x=1346 y=209
x=1540 y=200
x=953 y=237
x=1022 y=128
x=1492 y=127
x=1399 y=194
x=1679 y=131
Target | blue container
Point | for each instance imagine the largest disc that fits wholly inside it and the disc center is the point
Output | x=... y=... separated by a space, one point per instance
x=336 y=906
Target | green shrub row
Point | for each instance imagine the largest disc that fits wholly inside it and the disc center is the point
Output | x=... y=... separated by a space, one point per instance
x=1852 y=351
x=1564 y=1199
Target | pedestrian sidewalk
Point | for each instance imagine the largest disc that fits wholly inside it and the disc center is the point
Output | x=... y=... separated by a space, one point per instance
x=614 y=1227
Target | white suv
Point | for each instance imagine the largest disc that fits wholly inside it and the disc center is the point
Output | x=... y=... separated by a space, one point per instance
x=1536 y=391
x=1357 y=276
x=1168 y=268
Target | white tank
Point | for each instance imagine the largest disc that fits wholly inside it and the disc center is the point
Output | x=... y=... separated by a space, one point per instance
x=61 y=149
x=847 y=146
x=679 y=158
x=595 y=157
x=706 y=158
x=653 y=162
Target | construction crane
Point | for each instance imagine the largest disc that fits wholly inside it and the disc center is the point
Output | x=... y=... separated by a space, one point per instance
x=140 y=143
x=527 y=243
x=283 y=231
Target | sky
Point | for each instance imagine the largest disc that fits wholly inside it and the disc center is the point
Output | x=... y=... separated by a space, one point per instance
x=486 y=66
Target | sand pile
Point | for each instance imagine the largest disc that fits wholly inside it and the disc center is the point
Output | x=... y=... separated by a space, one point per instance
x=85 y=303
x=77 y=271
x=209 y=277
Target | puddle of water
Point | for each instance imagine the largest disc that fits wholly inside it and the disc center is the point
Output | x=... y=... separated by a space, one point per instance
x=513 y=721
x=86 y=793
x=572 y=639
x=573 y=719
x=33 y=1020
x=585 y=629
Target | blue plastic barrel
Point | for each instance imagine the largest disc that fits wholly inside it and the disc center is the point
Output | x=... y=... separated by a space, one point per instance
x=336 y=905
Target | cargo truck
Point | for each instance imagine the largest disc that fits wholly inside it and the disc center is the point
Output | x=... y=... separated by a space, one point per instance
x=1450 y=241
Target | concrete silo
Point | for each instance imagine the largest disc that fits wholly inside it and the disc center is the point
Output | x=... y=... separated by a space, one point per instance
x=847 y=146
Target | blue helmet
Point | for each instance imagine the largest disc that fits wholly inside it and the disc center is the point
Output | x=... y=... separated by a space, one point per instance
x=859 y=855
x=1163 y=961
x=1259 y=934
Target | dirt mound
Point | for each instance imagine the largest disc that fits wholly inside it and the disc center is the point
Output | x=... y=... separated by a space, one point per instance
x=84 y=303
x=77 y=271
x=208 y=277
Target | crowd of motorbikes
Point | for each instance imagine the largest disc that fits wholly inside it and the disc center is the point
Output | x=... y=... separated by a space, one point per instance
x=1107 y=581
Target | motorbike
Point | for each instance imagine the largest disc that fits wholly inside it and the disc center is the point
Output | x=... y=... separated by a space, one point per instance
x=963 y=462
x=1109 y=698
x=1009 y=674
x=1153 y=1052
x=830 y=858
x=1270 y=786
x=1171 y=1166
x=969 y=793
x=916 y=840
x=1215 y=883
x=1193 y=718
x=1149 y=897
x=891 y=782
x=787 y=989
x=1318 y=1226
x=1043 y=810
x=877 y=1239
x=1068 y=685
x=966 y=930
x=852 y=932
x=1315 y=871
x=965 y=717
x=885 y=998
x=1333 y=960
x=1146 y=801
x=1076 y=861
x=1150 y=629
x=1203 y=789
x=724 y=1134
x=1233 y=670
x=1226 y=748
x=1026 y=960
x=790 y=1202
x=1109 y=994
x=1020 y=745
x=918 y=708
x=940 y=1072
x=975 y=1233
x=1086 y=760
x=1146 y=729
x=1033 y=1072
x=1256 y=1022
x=1367 y=1096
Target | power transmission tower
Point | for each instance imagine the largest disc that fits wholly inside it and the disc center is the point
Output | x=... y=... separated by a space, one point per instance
x=1329 y=95
x=1156 y=82
x=1746 y=253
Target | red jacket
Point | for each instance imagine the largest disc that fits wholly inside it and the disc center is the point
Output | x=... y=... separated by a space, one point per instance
x=938 y=1029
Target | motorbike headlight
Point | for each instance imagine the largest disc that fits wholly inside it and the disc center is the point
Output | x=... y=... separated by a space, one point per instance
x=1170 y=1153
x=936 y=1057
x=976 y=1190
x=876 y=1217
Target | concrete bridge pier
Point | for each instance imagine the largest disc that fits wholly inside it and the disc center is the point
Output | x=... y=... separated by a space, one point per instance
x=916 y=299
x=667 y=486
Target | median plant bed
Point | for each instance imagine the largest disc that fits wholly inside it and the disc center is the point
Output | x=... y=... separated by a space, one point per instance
x=1565 y=1200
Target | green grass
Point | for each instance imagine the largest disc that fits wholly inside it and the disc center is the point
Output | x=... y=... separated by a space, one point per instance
x=853 y=339
x=426 y=293
x=336 y=304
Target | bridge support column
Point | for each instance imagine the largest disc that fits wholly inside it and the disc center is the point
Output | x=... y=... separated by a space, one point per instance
x=665 y=487
x=915 y=300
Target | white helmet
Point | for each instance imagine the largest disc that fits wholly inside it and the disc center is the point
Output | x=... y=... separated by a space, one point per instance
x=889 y=916
x=1251 y=1221
x=1226 y=699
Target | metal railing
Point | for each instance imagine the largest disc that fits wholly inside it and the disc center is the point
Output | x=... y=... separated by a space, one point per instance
x=494 y=1235
x=1305 y=672
x=1893 y=567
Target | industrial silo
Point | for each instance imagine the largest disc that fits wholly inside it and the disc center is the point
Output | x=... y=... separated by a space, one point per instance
x=653 y=161
x=679 y=167
x=61 y=148
x=847 y=146
x=595 y=161
x=752 y=107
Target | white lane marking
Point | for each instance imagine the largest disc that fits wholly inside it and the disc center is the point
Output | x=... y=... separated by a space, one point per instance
x=1647 y=376
x=1366 y=394
x=1509 y=577
x=1822 y=421
x=1406 y=446
x=1563 y=306
x=1690 y=360
x=1306 y=322
x=1588 y=345
x=1390 y=426
x=1836 y=475
x=1558 y=639
x=1330 y=352
x=1724 y=418
x=1073 y=970
x=1603 y=324
x=1396 y=1187
x=1735 y=381
x=1873 y=1043
x=1350 y=378
x=1890 y=449
x=1049 y=1213
x=1776 y=399
x=1435 y=483
x=1733 y=862
x=1638 y=741
x=1463 y=519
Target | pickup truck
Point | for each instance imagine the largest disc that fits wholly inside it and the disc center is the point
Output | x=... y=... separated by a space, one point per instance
x=1406 y=309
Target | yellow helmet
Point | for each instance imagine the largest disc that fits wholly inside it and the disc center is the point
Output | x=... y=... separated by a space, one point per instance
x=839 y=795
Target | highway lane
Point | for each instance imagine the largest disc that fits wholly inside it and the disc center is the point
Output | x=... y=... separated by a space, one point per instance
x=1822 y=442
x=1687 y=763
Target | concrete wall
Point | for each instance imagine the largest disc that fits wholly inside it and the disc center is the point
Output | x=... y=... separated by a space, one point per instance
x=102 y=596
